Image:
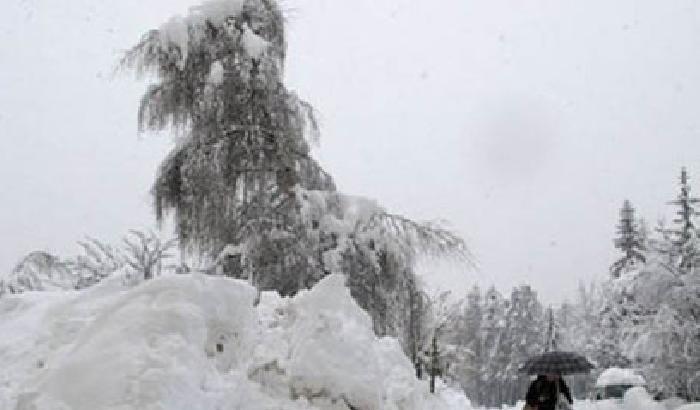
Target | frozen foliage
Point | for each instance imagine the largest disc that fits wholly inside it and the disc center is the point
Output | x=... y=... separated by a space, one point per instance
x=242 y=184
x=490 y=338
x=142 y=255
x=200 y=342
x=145 y=253
x=243 y=174
x=98 y=261
x=38 y=271
x=657 y=310
x=629 y=241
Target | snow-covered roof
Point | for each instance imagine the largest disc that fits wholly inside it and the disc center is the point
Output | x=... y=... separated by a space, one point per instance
x=614 y=375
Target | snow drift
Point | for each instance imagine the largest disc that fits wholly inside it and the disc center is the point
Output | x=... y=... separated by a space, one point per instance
x=201 y=342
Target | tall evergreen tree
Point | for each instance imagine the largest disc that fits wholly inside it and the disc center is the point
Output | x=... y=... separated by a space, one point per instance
x=471 y=339
x=551 y=340
x=612 y=321
x=524 y=330
x=241 y=176
x=495 y=350
x=684 y=233
x=629 y=240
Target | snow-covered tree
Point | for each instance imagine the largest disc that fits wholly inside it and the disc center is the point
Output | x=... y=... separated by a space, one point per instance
x=684 y=233
x=524 y=338
x=439 y=353
x=665 y=343
x=242 y=176
x=579 y=331
x=495 y=348
x=470 y=338
x=230 y=178
x=629 y=240
x=145 y=253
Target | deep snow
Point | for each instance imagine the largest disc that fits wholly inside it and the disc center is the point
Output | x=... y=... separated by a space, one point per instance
x=200 y=342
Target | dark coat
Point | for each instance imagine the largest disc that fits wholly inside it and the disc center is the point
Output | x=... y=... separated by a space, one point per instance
x=542 y=393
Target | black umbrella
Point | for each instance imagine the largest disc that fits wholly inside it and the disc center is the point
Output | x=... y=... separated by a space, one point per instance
x=556 y=362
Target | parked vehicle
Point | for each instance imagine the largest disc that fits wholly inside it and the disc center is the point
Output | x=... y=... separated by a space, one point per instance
x=614 y=382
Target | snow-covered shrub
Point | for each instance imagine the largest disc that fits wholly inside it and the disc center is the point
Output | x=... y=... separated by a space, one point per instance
x=98 y=261
x=147 y=254
x=141 y=256
x=36 y=272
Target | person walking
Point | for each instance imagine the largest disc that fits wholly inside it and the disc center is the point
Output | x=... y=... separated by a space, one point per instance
x=546 y=391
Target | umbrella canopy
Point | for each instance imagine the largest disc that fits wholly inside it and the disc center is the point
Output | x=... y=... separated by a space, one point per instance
x=556 y=363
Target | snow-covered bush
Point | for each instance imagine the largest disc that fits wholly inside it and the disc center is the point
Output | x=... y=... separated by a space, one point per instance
x=98 y=261
x=141 y=256
x=38 y=271
x=145 y=253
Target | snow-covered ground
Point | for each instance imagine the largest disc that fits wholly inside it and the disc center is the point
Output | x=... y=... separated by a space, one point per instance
x=197 y=342
x=200 y=342
x=635 y=399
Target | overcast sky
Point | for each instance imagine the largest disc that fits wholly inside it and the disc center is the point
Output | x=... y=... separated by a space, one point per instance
x=523 y=123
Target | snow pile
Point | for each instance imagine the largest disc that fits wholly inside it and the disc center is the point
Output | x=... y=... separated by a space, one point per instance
x=619 y=376
x=198 y=342
x=635 y=399
x=695 y=406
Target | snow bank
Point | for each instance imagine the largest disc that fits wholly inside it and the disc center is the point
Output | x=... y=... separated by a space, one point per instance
x=636 y=398
x=695 y=406
x=198 y=342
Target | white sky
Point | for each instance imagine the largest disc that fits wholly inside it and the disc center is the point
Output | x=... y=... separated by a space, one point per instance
x=525 y=124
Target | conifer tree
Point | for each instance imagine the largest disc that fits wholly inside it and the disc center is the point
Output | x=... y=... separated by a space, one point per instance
x=495 y=349
x=629 y=240
x=524 y=330
x=551 y=340
x=471 y=339
x=241 y=176
x=609 y=352
x=684 y=233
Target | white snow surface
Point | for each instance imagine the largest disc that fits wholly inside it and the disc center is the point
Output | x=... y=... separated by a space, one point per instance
x=695 y=406
x=176 y=30
x=253 y=44
x=616 y=375
x=635 y=398
x=199 y=342
x=216 y=73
